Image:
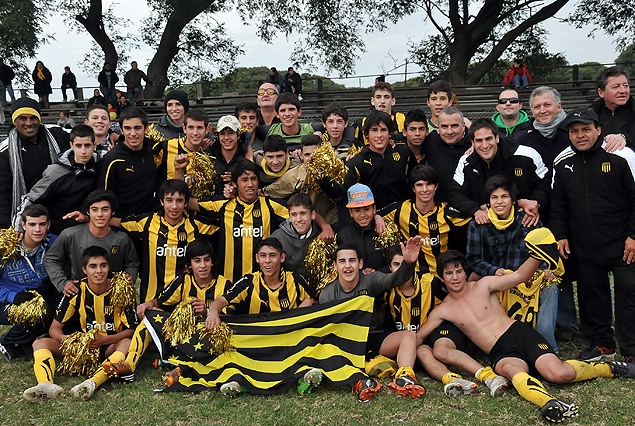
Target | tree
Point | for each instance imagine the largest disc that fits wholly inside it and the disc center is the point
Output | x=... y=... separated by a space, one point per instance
x=615 y=17
x=626 y=59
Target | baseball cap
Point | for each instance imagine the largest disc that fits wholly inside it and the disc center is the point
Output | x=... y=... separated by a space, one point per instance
x=228 y=121
x=582 y=115
x=359 y=195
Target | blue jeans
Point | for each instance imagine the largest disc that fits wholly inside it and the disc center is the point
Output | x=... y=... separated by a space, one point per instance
x=134 y=95
x=109 y=94
x=516 y=80
x=547 y=314
x=8 y=88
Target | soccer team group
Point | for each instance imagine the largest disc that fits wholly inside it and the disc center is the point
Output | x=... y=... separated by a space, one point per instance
x=534 y=203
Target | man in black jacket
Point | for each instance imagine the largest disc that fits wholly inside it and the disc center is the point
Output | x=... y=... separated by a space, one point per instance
x=69 y=81
x=616 y=106
x=593 y=217
x=522 y=166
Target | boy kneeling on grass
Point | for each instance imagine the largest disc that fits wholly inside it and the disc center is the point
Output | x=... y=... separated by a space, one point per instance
x=86 y=308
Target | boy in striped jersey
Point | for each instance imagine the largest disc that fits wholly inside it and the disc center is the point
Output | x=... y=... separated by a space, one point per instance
x=88 y=309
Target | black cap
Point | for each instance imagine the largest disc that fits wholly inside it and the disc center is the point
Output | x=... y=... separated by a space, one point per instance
x=584 y=115
x=180 y=96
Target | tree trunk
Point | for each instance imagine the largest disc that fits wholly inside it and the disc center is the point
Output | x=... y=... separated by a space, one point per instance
x=94 y=24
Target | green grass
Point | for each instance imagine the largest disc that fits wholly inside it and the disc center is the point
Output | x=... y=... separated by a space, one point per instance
x=602 y=402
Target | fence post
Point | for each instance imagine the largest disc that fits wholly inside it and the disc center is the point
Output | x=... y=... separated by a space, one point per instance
x=80 y=94
x=575 y=74
x=199 y=91
x=24 y=93
x=320 y=85
x=405 y=75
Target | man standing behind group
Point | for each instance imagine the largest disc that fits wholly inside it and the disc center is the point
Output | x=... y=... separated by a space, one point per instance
x=383 y=99
x=107 y=79
x=170 y=125
x=133 y=82
x=511 y=120
x=275 y=78
x=616 y=106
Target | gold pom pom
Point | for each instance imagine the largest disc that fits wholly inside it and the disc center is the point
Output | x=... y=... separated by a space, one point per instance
x=10 y=245
x=123 y=294
x=78 y=357
x=205 y=171
x=181 y=324
x=319 y=265
x=153 y=134
x=325 y=164
x=353 y=151
x=219 y=339
x=30 y=312
x=389 y=238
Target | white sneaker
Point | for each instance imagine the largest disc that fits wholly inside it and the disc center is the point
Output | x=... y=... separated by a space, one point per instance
x=42 y=392
x=300 y=97
x=230 y=389
x=497 y=386
x=458 y=387
x=84 y=390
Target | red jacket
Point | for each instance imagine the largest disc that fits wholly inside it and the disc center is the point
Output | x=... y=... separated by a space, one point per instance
x=510 y=74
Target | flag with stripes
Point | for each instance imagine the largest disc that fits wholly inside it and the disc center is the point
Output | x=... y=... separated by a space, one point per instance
x=274 y=350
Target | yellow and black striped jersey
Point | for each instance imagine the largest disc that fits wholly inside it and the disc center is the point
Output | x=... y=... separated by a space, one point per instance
x=411 y=312
x=433 y=227
x=398 y=120
x=164 y=158
x=87 y=309
x=243 y=226
x=164 y=247
x=251 y=295
x=185 y=286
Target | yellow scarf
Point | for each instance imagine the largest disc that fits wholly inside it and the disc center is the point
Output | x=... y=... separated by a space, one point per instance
x=501 y=224
x=40 y=74
x=271 y=174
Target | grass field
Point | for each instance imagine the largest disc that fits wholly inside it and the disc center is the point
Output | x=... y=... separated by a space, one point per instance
x=602 y=402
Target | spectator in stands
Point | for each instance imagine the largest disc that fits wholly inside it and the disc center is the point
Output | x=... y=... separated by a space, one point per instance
x=171 y=124
x=25 y=154
x=518 y=74
x=383 y=99
x=133 y=82
x=616 y=106
x=69 y=82
x=293 y=83
x=266 y=98
x=108 y=79
x=65 y=120
x=97 y=99
x=511 y=120
x=123 y=104
x=6 y=76
x=42 y=78
x=275 y=78
x=380 y=79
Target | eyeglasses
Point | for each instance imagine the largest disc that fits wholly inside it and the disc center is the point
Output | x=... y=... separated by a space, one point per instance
x=270 y=92
x=503 y=101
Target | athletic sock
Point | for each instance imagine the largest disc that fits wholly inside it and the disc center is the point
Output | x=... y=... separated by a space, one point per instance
x=100 y=376
x=450 y=377
x=531 y=389
x=44 y=365
x=589 y=370
x=140 y=341
x=406 y=370
x=485 y=373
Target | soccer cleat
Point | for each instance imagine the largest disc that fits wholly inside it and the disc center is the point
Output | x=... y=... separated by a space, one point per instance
x=172 y=376
x=497 y=386
x=366 y=389
x=622 y=369
x=629 y=359
x=84 y=390
x=12 y=353
x=458 y=387
x=311 y=380
x=121 y=370
x=557 y=411
x=597 y=353
x=42 y=392
x=230 y=389
x=408 y=386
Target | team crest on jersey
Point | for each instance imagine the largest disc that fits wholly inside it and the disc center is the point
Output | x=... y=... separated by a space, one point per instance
x=364 y=292
x=543 y=346
x=518 y=171
x=257 y=213
x=415 y=312
x=606 y=167
x=114 y=250
x=396 y=156
x=444 y=332
x=182 y=236
x=284 y=303
x=433 y=226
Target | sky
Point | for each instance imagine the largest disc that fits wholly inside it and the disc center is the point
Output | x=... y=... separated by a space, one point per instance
x=68 y=48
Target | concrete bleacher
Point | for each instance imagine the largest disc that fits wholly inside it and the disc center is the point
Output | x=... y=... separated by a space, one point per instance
x=475 y=101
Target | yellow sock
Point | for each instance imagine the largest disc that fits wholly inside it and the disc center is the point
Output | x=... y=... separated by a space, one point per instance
x=485 y=373
x=589 y=370
x=531 y=389
x=450 y=377
x=406 y=370
x=44 y=365
x=100 y=376
x=140 y=341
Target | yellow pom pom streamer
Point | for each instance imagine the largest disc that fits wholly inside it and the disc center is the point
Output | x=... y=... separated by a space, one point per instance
x=123 y=294
x=153 y=134
x=30 y=312
x=78 y=357
x=181 y=324
x=205 y=171
x=319 y=265
x=219 y=339
x=325 y=164
x=389 y=238
x=10 y=245
x=353 y=151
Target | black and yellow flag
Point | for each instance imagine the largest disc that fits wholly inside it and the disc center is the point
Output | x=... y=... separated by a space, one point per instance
x=274 y=350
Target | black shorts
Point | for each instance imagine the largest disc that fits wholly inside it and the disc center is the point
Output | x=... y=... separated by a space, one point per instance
x=520 y=341
x=450 y=331
x=374 y=341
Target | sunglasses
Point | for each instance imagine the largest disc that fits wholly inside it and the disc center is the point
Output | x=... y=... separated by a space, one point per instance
x=503 y=101
x=270 y=92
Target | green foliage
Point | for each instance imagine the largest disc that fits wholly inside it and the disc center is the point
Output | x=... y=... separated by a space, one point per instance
x=615 y=17
x=626 y=59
